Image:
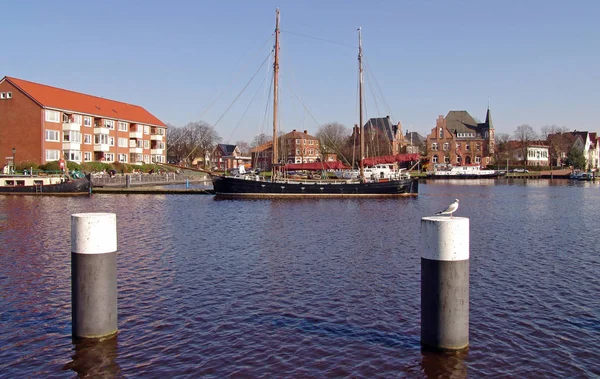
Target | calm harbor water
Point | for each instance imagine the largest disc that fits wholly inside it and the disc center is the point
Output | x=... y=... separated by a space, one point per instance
x=308 y=288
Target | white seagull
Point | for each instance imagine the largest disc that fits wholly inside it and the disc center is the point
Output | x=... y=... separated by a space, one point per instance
x=451 y=209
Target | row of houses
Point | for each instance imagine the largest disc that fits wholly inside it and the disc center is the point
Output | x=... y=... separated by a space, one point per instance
x=41 y=124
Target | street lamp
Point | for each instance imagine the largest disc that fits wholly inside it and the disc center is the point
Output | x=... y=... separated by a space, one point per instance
x=14 y=163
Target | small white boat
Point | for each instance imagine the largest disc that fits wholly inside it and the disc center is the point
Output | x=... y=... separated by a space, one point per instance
x=447 y=171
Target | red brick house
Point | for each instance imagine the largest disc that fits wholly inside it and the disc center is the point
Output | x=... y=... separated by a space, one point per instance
x=225 y=157
x=44 y=124
x=460 y=140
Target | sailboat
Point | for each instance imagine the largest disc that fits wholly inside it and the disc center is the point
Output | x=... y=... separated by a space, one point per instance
x=249 y=185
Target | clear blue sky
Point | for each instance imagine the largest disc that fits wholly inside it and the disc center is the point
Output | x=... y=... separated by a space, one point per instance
x=538 y=62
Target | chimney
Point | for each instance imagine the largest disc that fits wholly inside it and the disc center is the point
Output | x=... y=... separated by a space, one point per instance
x=306 y=132
x=388 y=117
x=294 y=130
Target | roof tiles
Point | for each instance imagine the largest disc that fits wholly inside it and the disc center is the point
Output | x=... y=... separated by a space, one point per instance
x=62 y=99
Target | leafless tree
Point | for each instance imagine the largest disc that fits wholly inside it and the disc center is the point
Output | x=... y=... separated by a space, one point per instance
x=334 y=138
x=559 y=145
x=260 y=139
x=524 y=134
x=244 y=147
x=194 y=140
x=548 y=130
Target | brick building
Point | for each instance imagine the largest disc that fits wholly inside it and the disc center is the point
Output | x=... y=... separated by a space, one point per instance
x=294 y=147
x=45 y=124
x=225 y=157
x=460 y=140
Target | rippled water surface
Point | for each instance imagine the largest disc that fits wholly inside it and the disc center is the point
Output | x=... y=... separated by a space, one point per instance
x=307 y=288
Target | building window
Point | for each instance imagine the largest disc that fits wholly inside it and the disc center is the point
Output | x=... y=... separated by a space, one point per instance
x=123 y=142
x=52 y=116
x=146 y=158
x=109 y=124
x=147 y=146
x=447 y=159
x=87 y=156
x=111 y=141
x=297 y=151
x=446 y=146
x=52 y=155
x=297 y=141
x=109 y=157
x=2 y=95
x=477 y=159
x=467 y=147
x=52 y=136
x=73 y=155
x=441 y=133
x=123 y=158
x=9 y=95
x=123 y=126
x=146 y=129
x=77 y=119
x=100 y=139
x=87 y=121
x=87 y=139
x=458 y=159
x=434 y=159
x=477 y=147
x=434 y=146
x=72 y=136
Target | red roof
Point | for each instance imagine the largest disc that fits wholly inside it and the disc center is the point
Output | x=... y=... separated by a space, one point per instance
x=62 y=99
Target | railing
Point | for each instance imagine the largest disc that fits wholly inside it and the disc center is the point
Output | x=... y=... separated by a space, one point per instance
x=119 y=180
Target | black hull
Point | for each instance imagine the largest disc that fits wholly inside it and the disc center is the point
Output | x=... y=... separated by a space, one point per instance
x=230 y=187
x=71 y=187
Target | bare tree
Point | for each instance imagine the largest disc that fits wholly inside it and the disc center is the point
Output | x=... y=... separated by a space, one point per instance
x=260 y=139
x=548 y=130
x=559 y=145
x=192 y=141
x=334 y=138
x=244 y=147
x=524 y=134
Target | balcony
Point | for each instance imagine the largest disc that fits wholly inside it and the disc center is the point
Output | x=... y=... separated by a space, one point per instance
x=156 y=137
x=102 y=130
x=156 y=151
x=104 y=147
x=136 y=150
x=71 y=146
x=71 y=126
x=138 y=135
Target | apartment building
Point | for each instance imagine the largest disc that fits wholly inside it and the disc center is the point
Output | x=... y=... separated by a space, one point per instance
x=40 y=124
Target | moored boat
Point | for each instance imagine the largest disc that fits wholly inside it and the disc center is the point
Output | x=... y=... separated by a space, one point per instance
x=380 y=183
x=43 y=185
x=447 y=171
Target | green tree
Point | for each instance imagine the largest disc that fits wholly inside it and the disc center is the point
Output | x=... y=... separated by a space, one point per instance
x=576 y=158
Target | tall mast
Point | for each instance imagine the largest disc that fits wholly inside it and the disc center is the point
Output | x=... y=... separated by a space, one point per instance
x=275 y=94
x=360 y=107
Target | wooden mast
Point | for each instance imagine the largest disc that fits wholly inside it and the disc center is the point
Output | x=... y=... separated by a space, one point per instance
x=275 y=160
x=360 y=107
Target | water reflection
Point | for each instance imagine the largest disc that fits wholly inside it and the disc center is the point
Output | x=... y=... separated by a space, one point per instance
x=444 y=365
x=95 y=359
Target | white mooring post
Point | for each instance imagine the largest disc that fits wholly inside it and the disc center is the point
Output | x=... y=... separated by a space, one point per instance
x=444 y=283
x=94 y=274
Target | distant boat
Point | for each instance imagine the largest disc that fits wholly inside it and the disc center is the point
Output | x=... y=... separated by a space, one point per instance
x=43 y=185
x=254 y=186
x=448 y=171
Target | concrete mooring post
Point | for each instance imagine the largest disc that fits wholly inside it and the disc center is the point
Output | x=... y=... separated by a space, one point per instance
x=444 y=283
x=94 y=275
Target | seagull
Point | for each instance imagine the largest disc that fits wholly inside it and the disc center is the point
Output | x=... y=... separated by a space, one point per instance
x=451 y=209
